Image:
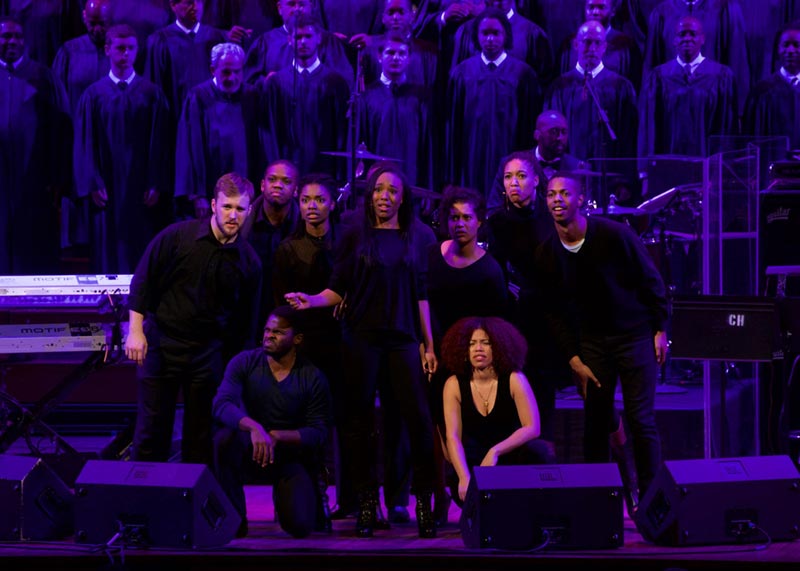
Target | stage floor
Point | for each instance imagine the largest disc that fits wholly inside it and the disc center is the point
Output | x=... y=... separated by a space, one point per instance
x=267 y=547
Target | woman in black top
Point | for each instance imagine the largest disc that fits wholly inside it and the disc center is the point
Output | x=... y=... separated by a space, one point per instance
x=379 y=273
x=304 y=262
x=463 y=279
x=490 y=412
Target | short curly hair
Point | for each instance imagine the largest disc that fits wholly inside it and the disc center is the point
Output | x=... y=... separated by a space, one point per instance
x=509 y=348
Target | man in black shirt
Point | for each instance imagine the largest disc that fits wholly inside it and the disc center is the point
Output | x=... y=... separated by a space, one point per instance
x=275 y=406
x=609 y=312
x=193 y=304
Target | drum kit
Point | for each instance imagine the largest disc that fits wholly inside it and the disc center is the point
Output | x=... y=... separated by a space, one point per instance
x=668 y=224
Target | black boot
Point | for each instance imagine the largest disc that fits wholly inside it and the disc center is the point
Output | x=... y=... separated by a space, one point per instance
x=367 y=507
x=425 y=521
x=441 y=507
x=623 y=456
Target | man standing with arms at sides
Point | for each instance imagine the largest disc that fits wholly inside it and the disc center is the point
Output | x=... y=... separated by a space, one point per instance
x=218 y=130
x=120 y=161
x=35 y=157
x=608 y=311
x=193 y=305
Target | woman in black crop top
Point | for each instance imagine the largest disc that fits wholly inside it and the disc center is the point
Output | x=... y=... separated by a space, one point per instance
x=490 y=412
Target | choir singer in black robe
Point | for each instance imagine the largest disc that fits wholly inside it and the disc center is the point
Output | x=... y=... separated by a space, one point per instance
x=179 y=55
x=218 y=130
x=120 y=159
x=622 y=55
x=306 y=104
x=530 y=42
x=570 y=95
x=686 y=100
x=35 y=153
x=272 y=51
x=773 y=107
x=493 y=100
x=396 y=114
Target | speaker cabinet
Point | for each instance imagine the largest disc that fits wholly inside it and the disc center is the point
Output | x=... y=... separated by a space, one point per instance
x=723 y=500
x=570 y=506
x=152 y=504
x=36 y=504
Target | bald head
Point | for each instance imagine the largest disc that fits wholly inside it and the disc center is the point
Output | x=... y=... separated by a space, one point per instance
x=590 y=44
x=97 y=19
x=551 y=134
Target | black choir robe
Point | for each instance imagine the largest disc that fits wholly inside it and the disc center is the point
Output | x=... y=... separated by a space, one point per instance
x=177 y=62
x=773 y=109
x=306 y=118
x=531 y=45
x=47 y=24
x=257 y=15
x=723 y=26
x=78 y=64
x=35 y=157
x=397 y=123
x=559 y=18
x=217 y=134
x=622 y=56
x=632 y=17
x=351 y=17
x=676 y=115
x=422 y=63
x=763 y=19
x=271 y=52
x=120 y=147
x=586 y=132
x=144 y=16
x=491 y=114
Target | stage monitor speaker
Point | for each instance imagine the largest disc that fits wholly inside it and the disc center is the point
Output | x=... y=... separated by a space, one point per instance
x=36 y=504
x=722 y=500
x=569 y=506
x=152 y=504
x=728 y=328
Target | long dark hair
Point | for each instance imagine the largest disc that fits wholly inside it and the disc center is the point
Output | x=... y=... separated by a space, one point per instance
x=405 y=213
x=509 y=348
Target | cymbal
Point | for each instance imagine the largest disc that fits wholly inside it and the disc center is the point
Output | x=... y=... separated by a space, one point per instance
x=614 y=210
x=360 y=155
x=586 y=172
x=661 y=201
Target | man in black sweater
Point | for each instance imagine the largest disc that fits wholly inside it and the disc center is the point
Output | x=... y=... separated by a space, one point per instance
x=275 y=407
x=608 y=311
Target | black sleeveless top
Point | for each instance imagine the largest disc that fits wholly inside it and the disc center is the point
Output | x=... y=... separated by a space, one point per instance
x=478 y=432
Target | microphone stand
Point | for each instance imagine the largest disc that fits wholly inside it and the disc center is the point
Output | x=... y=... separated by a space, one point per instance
x=588 y=87
x=355 y=130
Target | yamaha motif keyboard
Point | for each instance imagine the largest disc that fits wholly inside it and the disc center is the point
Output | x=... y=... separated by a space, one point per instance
x=75 y=291
x=43 y=314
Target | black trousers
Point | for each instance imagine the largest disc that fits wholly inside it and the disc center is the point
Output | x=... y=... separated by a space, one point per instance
x=293 y=475
x=172 y=367
x=633 y=361
x=398 y=359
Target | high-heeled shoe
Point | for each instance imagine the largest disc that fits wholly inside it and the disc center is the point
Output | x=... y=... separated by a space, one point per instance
x=365 y=520
x=425 y=521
